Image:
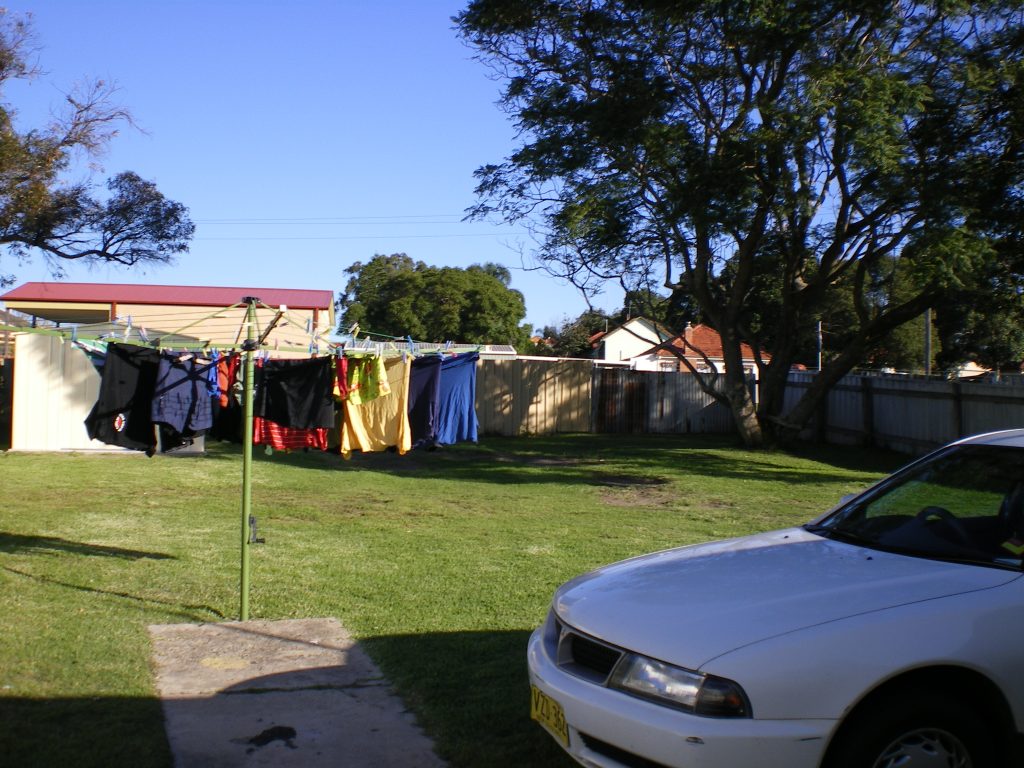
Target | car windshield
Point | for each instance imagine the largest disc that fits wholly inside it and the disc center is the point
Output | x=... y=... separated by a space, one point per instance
x=965 y=503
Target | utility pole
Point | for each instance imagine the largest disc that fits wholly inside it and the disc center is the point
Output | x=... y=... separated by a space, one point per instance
x=819 y=345
x=928 y=342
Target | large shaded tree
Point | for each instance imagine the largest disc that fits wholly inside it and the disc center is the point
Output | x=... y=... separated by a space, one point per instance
x=986 y=325
x=396 y=296
x=763 y=155
x=42 y=211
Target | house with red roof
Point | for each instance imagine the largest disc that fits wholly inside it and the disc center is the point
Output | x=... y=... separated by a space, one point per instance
x=701 y=345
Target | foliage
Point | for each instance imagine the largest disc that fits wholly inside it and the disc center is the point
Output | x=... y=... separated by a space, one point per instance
x=395 y=296
x=572 y=339
x=770 y=160
x=42 y=212
x=426 y=558
x=986 y=325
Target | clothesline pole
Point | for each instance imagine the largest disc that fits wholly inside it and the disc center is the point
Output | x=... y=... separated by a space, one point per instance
x=249 y=346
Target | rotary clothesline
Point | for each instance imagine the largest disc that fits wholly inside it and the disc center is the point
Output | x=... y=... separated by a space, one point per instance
x=221 y=324
x=252 y=339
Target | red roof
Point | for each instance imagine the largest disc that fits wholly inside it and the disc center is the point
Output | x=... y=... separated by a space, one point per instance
x=169 y=295
x=705 y=339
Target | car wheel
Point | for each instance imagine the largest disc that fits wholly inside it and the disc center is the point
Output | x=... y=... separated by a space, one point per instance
x=923 y=731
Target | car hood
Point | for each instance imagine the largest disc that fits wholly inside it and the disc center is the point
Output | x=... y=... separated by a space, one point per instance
x=689 y=605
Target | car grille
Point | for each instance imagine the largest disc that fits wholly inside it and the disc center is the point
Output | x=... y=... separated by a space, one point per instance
x=617 y=754
x=584 y=656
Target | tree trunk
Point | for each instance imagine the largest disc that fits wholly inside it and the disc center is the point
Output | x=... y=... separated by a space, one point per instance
x=737 y=393
x=744 y=414
x=784 y=430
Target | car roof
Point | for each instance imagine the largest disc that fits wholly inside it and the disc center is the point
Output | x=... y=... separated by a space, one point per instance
x=1013 y=438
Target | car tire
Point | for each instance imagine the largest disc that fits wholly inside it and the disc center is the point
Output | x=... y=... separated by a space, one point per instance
x=913 y=731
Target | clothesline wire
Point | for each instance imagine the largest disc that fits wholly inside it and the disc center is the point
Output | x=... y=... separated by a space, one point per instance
x=312 y=338
x=411 y=341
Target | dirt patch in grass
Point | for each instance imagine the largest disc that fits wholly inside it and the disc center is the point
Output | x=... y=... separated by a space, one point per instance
x=627 y=481
x=622 y=490
x=536 y=461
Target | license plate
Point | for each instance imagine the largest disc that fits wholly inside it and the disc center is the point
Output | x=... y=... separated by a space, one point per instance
x=550 y=714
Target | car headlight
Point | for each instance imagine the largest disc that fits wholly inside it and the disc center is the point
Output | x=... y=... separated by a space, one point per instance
x=675 y=686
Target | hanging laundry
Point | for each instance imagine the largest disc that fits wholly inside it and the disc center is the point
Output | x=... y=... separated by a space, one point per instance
x=296 y=393
x=383 y=422
x=122 y=412
x=456 y=407
x=367 y=379
x=213 y=376
x=96 y=351
x=266 y=432
x=424 y=385
x=227 y=416
x=227 y=371
x=341 y=378
x=180 y=399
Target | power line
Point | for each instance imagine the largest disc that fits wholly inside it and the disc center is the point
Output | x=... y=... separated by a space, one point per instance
x=413 y=219
x=360 y=237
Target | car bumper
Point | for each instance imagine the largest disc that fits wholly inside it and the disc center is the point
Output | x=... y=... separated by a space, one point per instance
x=610 y=729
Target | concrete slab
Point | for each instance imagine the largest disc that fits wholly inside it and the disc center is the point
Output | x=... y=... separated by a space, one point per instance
x=280 y=693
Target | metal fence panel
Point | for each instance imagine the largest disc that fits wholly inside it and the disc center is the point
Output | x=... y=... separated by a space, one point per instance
x=988 y=407
x=906 y=413
x=54 y=390
x=516 y=397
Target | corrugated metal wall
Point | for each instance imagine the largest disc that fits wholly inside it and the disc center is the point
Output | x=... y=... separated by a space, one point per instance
x=519 y=397
x=531 y=397
x=908 y=414
x=55 y=387
x=650 y=401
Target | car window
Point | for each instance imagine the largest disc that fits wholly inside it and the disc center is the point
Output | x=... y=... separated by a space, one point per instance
x=966 y=502
x=962 y=487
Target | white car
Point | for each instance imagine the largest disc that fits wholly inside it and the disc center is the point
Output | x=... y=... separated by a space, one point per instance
x=889 y=632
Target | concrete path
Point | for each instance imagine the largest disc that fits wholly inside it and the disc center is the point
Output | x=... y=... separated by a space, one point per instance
x=280 y=693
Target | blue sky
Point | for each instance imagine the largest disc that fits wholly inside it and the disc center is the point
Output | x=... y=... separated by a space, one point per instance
x=303 y=136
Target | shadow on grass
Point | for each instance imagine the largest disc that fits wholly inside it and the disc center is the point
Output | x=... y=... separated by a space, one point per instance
x=16 y=542
x=471 y=693
x=587 y=459
x=87 y=732
x=186 y=612
x=468 y=690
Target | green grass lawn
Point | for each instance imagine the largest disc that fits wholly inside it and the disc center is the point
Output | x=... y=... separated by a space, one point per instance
x=441 y=562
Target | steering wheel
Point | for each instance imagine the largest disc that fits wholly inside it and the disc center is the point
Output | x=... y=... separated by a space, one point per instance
x=949 y=519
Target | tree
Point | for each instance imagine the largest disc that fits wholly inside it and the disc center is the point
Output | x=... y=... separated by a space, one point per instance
x=396 y=296
x=985 y=325
x=985 y=328
x=763 y=155
x=42 y=213
x=572 y=339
